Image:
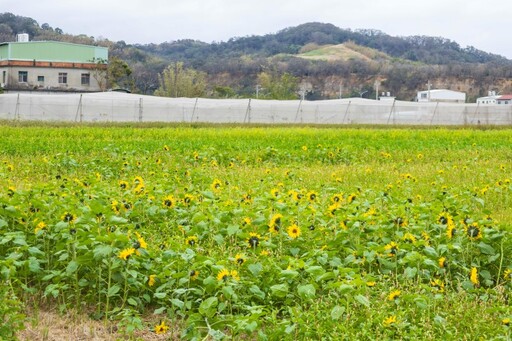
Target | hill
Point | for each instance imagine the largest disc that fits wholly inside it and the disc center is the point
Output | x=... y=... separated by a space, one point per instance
x=323 y=57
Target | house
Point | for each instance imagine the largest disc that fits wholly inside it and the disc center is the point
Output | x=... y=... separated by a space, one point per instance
x=441 y=95
x=52 y=66
x=504 y=100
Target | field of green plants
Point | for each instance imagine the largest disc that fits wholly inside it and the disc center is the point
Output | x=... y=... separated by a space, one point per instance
x=259 y=232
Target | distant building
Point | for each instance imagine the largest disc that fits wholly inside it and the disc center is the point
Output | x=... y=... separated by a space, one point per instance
x=489 y=99
x=386 y=96
x=441 y=95
x=504 y=99
x=52 y=66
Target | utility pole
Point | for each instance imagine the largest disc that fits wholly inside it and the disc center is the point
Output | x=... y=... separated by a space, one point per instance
x=377 y=83
x=258 y=88
x=428 y=89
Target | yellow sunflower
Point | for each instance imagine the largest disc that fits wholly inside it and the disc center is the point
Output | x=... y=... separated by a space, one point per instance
x=293 y=231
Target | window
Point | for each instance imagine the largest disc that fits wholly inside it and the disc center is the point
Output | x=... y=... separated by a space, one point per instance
x=22 y=76
x=40 y=79
x=423 y=96
x=63 y=78
x=4 y=76
x=86 y=79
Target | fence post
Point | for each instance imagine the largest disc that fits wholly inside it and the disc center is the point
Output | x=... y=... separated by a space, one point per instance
x=391 y=111
x=79 y=109
x=140 y=109
x=17 y=110
x=346 y=112
x=434 y=114
x=298 y=109
x=194 y=111
x=248 y=112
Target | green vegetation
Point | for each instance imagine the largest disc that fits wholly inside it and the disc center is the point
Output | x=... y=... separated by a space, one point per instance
x=260 y=232
x=403 y=65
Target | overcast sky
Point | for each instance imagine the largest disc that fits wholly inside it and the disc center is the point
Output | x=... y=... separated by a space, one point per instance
x=482 y=24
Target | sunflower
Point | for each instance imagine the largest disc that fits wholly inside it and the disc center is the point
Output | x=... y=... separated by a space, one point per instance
x=246 y=221
x=151 y=280
x=506 y=322
x=337 y=198
x=254 y=239
x=161 y=328
x=473 y=231
x=223 y=275
x=68 y=217
x=450 y=230
x=216 y=185
x=169 y=201
x=166 y=148
x=126 y=253
x=234 y=275
x=442 y=262
x=41 y=225
x=187 y=199
x=437 y=284
x=351 y=198
x=331 y=210
x=473 y=276
x=389 y=321
x=274 y=192
x=392 y=248
x=140 y=241
x=239 y=259
x=275 y=223
x=394 y=295
x=123 y=184
x=312 y=196
x=507 y=275
x=191 y=240
x=194 y=274
x=293 y=231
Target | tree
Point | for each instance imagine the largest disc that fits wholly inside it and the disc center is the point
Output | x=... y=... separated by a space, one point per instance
x=119 y=74
x=277 y=86
x=178 y=81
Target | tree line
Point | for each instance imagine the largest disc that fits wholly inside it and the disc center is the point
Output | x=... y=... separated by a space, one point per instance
x=270 y=65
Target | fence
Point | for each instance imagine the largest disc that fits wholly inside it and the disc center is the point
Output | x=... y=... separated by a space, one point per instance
x=120 y=107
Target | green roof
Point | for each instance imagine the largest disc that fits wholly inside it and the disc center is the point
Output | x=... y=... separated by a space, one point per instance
x=52 y=51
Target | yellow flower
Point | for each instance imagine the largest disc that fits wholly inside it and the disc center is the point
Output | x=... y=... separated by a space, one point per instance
x=389 y=321
x=506 y=321
x=141 y=241
x=123 y=184
x=507 y=275
x=193 y=275
x=370 y=284
x=151 y=280
x=473 y=276
x=246 y=221
x=192 y=240
x=223 y=275
x=124 y=254
x=254 y=239
x=392 y=248
x=312 y=196
x=39 y=227
x=166 y=148
x=216 y=185
x=393 y=295
x=68 y=217
x=442 y=262
x=473 y=231
x=169 y=201
x=234 y=275
x=239 y=259
x=293 y=231
x=161 y=328
x=438 y=284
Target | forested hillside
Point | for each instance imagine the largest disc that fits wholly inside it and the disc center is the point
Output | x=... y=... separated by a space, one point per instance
x=400 y=65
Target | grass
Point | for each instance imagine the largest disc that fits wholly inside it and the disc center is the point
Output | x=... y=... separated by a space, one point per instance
x=264 y=231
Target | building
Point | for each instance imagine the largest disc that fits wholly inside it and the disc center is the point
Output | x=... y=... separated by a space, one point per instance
x=489 y=99
x=504 y=100
x=441 y=95
x=52 y=66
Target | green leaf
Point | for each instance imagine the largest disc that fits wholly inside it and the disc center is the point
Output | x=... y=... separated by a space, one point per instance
x=232 y=229
x=132 y=301
x=306 y=292
x=160 y=295
x=72 y=267
x=117 y=220
x=178 y=303
x=411 y=272
x=279 y=290
x=113 y=290
x=486 y=249
x=3 y=223
x=363 y=300
x=257 y=292
x=255 y=269
x=102 y=251
x=208 y=307
x=337 y=312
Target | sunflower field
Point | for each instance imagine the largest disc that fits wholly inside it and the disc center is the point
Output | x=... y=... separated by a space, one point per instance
x=259 y=232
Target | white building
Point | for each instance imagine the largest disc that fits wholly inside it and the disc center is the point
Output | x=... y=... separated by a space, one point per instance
x=489 y=99
x=441 y=95
x=504 y=100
